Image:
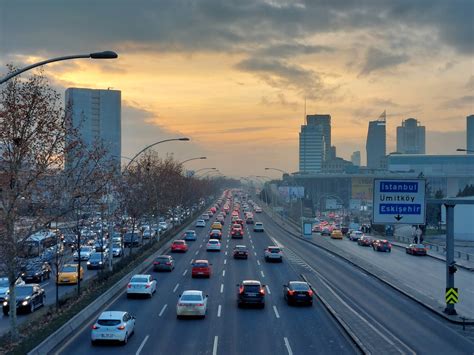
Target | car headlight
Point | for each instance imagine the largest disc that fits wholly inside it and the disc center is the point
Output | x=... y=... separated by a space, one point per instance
x=24 y=303
x=88 y=263
x=100 y=262
x=5 y=303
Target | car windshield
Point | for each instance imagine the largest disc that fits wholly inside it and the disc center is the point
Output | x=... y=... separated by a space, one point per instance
x=69 y=269
x=162 y=259
x=252 y=288
x=201 y=265
x=108 y=322
x=178 y=242
x=191 y=298
x=299 y=286
x=274 y=250
x=24 y=291
x=213 y=242
x=139 y=279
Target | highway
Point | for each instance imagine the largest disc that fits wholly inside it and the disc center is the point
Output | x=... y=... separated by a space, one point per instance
x=278 y=328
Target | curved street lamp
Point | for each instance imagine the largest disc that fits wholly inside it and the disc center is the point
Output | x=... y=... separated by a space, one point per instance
x=96 y=55
x=197 y=171
x=276 y=169
x=197 y=158
x=152 y=145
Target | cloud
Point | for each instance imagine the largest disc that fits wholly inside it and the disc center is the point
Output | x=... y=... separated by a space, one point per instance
x=285 y=50
x=470 y=83
x=279 y=100
x=376 y=60
x=451 y=141
x=459 y=102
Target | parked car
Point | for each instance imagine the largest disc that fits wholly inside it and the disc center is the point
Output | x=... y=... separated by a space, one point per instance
x=113 y=326
x=298 y=292
x=163 y=263
x=416 y=249
x=191 y=303
x=273 y=253
x=251 y=292
x=28 y=299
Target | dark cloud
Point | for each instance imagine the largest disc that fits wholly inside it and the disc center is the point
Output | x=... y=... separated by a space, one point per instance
x=285 y=50
x=376 y=60
x=459 y=102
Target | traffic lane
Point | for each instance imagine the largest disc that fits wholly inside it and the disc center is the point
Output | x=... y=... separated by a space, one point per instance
x=409 y=270
x=380 y=304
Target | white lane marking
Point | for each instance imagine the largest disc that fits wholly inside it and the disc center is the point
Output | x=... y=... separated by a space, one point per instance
x=45 y=284
x=185 y=272
x=253 y=247
x=276 y=312
x=225 y=253
x=197 y=252
x=219 y=311
x=223 y=273
x=175 y=288
x=255 y=253
x=222 y=288
x=225 y=261
x=214 y=347
x=261 y=272
x=192 y=261
x=227 y=245
x=142 y=345
x=268 y=289
x=258 y=262
x=288 y=347
x=162 y=310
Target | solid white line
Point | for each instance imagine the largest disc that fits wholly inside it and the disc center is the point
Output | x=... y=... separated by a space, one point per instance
x=222 y=288
x=162 y=310
x=263 y=275
x=258 y=262
x=223 y=273
x=227 y=245
x=185 y=272
x=214 y=347
x=276 y=312
x=255 y=253
x=268 y=290
x=225 y=261
x=219 y=311
x=288 y=347
x=225 y=253
x=175 y=288
x=142 y=345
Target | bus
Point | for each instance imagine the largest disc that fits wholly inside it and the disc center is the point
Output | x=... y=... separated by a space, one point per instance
x=41 y=244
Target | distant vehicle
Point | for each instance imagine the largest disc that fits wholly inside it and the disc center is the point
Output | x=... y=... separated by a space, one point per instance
x=249 y=220
x=28 y=299
x=316 y=228
x=416 y=249
x=273 y=253
x=336 y=234
x=86 y=252
x=38 y=244
x=365 y=241
x=382 y=245
x=200 y=223
x=258 y=209
x=163 y=263
x=113 y=326
x=189 y=235
x=100 y=245
x=205 y=217
x=191 y=303
x=68 y=274
x=356 y=235
x=325 y=231
x=117 y=250
x=36 y=272
x=258 y=227
x=179 y=245
x=251 y=292
x=215 y=234
x=221 y=219
x=201 y=268
x=213 y=245
x=148 y=233
x=97 y=260
x=298 y=292
x=236 y=231
x=216 y=225
x=240 y=252
x=141 y=285
x=132 y=240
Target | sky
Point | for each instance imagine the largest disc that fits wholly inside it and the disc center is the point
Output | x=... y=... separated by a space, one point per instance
x=233 y=75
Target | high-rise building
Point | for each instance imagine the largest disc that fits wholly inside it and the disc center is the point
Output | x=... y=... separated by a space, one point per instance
x=323 y=121
x=96 y=114
x=376 y=145
x=355 y=158
x=411 y=137
x=312 y=147
x=470 y=134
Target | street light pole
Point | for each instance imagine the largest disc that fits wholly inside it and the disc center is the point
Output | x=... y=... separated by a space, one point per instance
x=197 y=158
x=96 y=55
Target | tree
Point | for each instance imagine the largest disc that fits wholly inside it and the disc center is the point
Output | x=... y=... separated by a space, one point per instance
x=467 y=191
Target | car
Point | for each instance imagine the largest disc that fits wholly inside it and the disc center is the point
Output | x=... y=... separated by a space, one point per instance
x=240 y=252
x=258 y=209
x=240 y=221
x=132 y=240
x=141 y=284
x=325 y=231
x=148 y=233
x=117 y=250
x=298 y=292
x=113 y=326
x=97 y=261
x=28 y=299
x=163 y=263
x=100 y=245
x=273 y=253
x=236 y=231
x=189 y=235
x=416 y=249
x=336 y=234
x=258 y=227
x=163 y=226
x=220 y=219
x=216 y=225
x=382 y=245
x=355 y=235
x=5 y=285
x=214 y=209
x=191 y=303
x=36 y=272
x=200 y=223
x=86 y=252
x=215 y=234
x=179 y=245
x=205 y=217
x=365 y=241
x=249 y=220
x=251 y=292
x=201 y=268
x=68 y=274
x=316 y=228
x=213 y=245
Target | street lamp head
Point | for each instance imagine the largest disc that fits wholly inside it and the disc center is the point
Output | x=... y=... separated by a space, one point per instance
x=460 y=150
x=104 y=55
x=267 y=168
x=202 y=157
x=183 y=139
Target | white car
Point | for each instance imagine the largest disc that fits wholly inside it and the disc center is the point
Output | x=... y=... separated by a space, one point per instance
x=113 y=326
x=163 y=226
x=141 y=285
x=258 y=209
x=213 y=245
x=200 y=223
x=117 y=250
x=258 y=227
x=273 y=253
x=191 y=303
x=205 y=217
x=85 y=253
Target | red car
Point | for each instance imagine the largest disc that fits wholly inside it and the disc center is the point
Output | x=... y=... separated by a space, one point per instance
x=215 y=234
x=236 y=231
x=179 y=245
x=201 y=268
x=382 y=245
x=213 y=209
x=240 y=221
x=416 y=249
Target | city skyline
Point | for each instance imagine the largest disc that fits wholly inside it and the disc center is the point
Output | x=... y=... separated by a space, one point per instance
x=227 y=76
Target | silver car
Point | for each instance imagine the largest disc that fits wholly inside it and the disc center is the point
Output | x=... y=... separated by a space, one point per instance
x=163 y=263
x=113 y=326
x=191 y=303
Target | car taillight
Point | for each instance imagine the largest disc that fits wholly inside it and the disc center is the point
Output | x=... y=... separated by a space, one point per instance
x=262 y=291
x=156 y=263
x=129 y=285
x=168 y=263
x=200 y=305
x=241 y=290
x=310 y=292
x=121 y=327
x=291 y=292
x=147 y=286
x=95 y=327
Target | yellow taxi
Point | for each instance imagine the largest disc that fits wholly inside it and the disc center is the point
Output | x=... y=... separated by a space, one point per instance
x=216 y=225
x=68 y=274
x=336 y=234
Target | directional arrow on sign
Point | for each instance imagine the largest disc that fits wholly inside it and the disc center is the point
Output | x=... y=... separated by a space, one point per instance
x=398 y=217
x=452 y=295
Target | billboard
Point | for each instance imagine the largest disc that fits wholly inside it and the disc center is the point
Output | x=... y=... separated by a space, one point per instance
x=291 y=192
x=362 y=188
